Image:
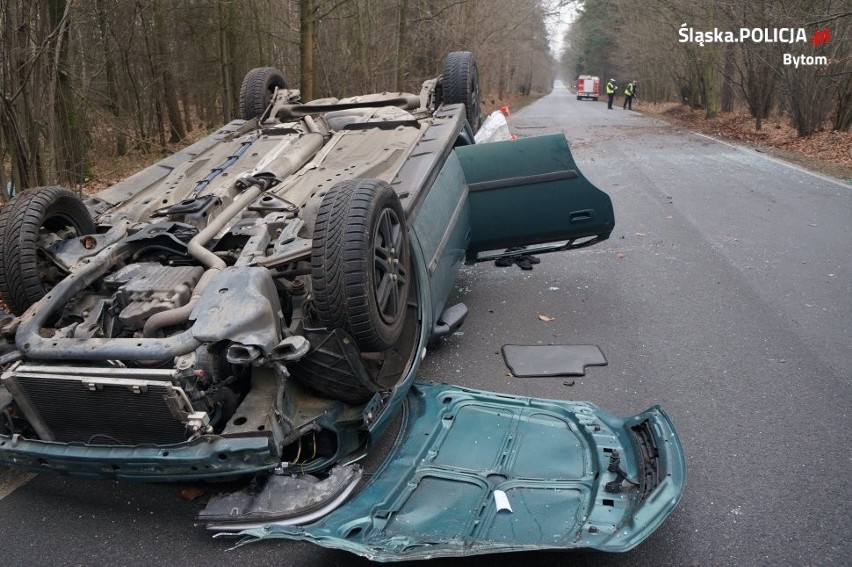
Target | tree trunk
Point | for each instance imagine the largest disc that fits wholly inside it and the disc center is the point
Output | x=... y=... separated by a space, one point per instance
x=362 y=79
x=28 y=163
x=71 y=147
x=112 y=101
x=156 y=79
x=710 y=88
x=176 y=130
x=109 y=66
x=139 y=114
x=307 y=35
x=184 y=99
x=843 y=110
x=728 y=84
x=401 y=37
x=225 y=64
x=502 y=79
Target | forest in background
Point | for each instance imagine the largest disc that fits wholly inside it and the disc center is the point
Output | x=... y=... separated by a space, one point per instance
x=93 y=79
x=631 y=40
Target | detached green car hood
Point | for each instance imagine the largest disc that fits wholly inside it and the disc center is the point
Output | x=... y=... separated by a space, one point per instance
x=573 y=475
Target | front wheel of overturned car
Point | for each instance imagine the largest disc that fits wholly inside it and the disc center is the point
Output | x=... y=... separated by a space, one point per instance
x=257 y=89
x=360 y=262
x=29 y=224
x=460 y=84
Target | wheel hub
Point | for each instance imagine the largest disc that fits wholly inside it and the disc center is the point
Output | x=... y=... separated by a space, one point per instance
x=389 y=267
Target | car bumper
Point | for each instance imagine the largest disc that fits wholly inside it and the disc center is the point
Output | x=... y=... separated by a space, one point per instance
x=206 y=457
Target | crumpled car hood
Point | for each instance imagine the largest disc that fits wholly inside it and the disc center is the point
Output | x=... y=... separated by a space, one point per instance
x=572 y=474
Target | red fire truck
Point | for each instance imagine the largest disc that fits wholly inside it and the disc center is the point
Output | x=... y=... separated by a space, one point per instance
x=588 y=86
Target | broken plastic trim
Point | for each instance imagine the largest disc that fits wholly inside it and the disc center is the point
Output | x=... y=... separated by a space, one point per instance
x=282 y=501
x=573 y=244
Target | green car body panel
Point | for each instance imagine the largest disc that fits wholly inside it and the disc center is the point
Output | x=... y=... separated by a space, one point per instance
x=434 y=495
x=530 y=191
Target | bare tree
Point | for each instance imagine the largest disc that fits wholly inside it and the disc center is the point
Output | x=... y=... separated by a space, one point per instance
x=108 y=78
x=813 y=90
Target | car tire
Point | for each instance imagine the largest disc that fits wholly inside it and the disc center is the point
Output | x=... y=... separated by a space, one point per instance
x=257 y=89
x=360 y=263
x=26 y=275
x=460 y=84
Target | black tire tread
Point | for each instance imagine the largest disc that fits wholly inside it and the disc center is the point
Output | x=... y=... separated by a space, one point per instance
x=460 y=74
x=20 y=222
x=327 y=372
x=255 y=90
x=339 y=260
x=7 y=229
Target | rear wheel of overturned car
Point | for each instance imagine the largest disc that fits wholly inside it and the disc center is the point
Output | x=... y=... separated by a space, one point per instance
x=460 y=84
x=360 y=262
x=257 y=89
x=29 y=224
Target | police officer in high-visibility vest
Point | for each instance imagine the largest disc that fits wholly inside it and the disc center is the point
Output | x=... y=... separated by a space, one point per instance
x=629 y=93
x=610 y=92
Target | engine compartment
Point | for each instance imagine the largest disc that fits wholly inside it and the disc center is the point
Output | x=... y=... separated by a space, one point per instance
x=191 y=315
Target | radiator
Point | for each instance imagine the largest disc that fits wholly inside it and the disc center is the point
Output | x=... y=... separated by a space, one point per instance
x=100 y=406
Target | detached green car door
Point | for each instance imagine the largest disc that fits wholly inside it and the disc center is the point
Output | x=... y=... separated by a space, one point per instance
x=529 y=192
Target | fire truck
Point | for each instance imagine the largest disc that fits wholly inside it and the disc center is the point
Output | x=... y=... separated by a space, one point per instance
x=588 y=86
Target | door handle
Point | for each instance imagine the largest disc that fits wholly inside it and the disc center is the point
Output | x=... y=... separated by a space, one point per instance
x=581 y=216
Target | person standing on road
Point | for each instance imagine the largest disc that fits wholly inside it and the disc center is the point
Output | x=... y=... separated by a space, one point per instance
x=610 y=92
x=629 y=93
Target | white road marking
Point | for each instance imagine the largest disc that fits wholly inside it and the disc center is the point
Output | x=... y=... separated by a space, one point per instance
x=776 y=160
x=10 y=481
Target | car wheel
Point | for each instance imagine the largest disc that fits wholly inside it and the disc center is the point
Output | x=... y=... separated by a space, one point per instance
x=28 y=224
x=360 y=262
x=257 y=89
x=460 y=84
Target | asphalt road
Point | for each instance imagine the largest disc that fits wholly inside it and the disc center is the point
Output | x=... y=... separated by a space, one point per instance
x=724 y=295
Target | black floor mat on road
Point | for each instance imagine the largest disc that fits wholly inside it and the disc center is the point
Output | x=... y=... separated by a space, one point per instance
x=527 y=361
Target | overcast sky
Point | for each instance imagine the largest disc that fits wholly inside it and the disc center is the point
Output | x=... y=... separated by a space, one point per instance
x=558 y=25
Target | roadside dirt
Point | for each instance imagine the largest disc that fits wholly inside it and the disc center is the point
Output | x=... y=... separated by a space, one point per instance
x=107 y=169
x=826 y=152
x=514 y=102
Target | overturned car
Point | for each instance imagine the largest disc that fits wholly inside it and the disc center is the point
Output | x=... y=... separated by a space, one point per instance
x=259 y=303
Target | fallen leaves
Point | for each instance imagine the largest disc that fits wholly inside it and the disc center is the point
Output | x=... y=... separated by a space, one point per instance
x=545 y=318
x=192 y=493
x=825 y=145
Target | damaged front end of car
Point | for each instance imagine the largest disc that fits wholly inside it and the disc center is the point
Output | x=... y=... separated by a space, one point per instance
x=180 y=341
x=165 y=370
